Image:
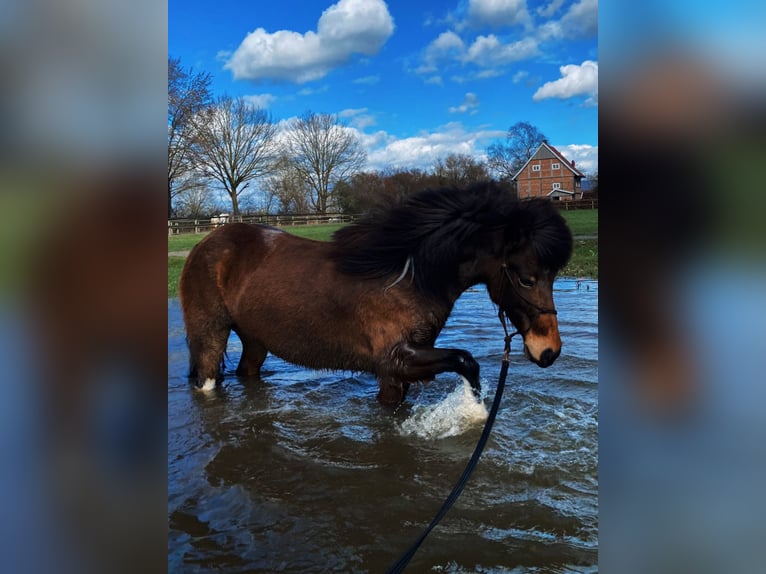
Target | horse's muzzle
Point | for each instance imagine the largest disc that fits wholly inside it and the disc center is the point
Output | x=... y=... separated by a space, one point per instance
x=546 y=359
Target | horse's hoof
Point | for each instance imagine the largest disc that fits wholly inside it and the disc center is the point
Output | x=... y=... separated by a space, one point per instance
x=207 y=385
x=392 y=395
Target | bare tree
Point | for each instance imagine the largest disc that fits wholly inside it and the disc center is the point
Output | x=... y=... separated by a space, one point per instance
x=323 y=151
x=288 y=187
x=460 y=170
x=195 y=201
x=188 y=94
x=521 y=141
x=234 y=145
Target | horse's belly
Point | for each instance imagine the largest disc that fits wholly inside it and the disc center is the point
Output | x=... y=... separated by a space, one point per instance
x=318 y=342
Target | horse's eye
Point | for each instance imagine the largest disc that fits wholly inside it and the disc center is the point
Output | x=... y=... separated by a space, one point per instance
x=526 y=283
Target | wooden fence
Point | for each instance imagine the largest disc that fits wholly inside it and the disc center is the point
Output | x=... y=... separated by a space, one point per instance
x=577 y=204
x=178 y=226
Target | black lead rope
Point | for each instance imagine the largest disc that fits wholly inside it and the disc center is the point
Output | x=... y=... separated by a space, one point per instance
x=401 y=564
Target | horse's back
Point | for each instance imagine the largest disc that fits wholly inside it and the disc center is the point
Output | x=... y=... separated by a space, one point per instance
x=209 y=267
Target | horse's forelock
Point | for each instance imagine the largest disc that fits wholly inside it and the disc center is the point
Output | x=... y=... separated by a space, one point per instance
x=548 y=233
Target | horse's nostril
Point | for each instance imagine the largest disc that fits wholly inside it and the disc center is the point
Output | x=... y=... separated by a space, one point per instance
x=547 y=357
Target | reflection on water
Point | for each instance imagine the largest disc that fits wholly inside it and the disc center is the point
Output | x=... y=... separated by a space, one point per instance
x=305 y=472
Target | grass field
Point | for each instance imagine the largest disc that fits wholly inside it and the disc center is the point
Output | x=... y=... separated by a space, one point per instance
x=584 y=262
x=582 y=221
x=175 y=264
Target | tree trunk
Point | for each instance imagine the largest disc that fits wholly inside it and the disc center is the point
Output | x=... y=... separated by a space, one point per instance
x=234 y=204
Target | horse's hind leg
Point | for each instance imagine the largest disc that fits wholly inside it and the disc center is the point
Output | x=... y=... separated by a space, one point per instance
x=206 y=353
x=253 y=356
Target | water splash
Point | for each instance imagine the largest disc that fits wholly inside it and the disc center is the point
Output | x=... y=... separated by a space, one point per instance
x=457 y=413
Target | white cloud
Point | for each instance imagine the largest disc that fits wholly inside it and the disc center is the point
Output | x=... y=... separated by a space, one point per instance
x=358 y=117
x=489 y=51
x=550 y=9
x=497 y=13
x=470 y=104
x=585 y=156
x=575 y=81
x=385 y=151
x=519 y=76
x=368 y=80
x=421 y=151
x=314 y=91
x=447 y=45
x=579 y=21
x=260 y=100
x=346 y=28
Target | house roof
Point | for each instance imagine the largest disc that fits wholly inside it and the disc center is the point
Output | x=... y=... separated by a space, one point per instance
x=556 y=153
x=555 y=192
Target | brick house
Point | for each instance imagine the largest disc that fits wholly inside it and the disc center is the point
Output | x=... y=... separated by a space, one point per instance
x=549 y=174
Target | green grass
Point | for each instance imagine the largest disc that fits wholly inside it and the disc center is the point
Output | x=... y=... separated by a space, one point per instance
x=175 y=264
x=318 y=232
x=185 y=241
x=584 y=262
x=582 y=221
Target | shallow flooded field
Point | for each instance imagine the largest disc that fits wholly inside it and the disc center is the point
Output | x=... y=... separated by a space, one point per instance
x=305 y=472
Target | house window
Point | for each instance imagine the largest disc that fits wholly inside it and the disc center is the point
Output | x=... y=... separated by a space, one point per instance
x=536 y=167
x=555 y=166
x=556 y=186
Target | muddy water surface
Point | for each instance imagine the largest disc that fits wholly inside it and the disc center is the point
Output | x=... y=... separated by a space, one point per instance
x=305 y=472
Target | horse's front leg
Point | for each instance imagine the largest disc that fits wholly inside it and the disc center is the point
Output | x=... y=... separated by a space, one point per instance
x=410 y=364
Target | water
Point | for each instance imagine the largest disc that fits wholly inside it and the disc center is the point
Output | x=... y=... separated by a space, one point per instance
x=305 y=472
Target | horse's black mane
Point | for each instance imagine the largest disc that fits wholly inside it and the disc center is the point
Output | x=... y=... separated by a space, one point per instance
x=434 y=226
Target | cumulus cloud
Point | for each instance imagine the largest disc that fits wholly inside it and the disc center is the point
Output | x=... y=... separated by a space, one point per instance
x=579 y=21
x=550 y=9
x=485 y=52
x=494 y=52
x=489 y=51
x=575 y=81
x=357 y=117
x=497 y=13
x=344 y=29
x=470 y=104
x=421 y=151
x=585 y=156
x=260 y=100
x=447 y=45
x=519 y=76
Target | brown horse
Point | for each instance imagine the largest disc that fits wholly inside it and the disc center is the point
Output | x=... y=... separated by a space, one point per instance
x=375 y=298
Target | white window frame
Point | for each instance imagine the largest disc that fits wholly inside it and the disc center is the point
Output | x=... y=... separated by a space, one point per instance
x=556 y=186
x=536 y=167
x=555 y=166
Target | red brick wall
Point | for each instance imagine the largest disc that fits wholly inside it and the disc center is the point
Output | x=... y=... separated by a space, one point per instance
x=539 y=183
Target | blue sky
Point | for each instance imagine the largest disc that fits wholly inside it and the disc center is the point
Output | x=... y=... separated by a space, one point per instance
x=417 y=80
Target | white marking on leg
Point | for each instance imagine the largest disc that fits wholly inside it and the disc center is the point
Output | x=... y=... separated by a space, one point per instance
x=209 y=385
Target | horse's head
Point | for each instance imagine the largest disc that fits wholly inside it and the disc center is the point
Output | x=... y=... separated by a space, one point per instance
x=535 y=246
